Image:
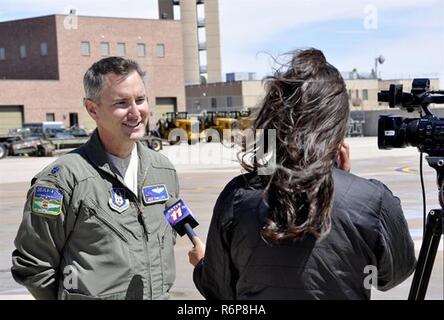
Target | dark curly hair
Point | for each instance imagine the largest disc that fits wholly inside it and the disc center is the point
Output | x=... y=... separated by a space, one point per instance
x=306 y=103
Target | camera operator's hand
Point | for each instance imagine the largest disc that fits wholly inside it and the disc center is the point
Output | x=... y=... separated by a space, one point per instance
x=344 y=157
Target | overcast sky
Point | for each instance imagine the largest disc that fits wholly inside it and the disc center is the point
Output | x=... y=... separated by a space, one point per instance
x=408 y=33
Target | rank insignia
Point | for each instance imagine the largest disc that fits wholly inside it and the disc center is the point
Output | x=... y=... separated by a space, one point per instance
x=47 y=201
x=55 y=170
x=155 y=194
x=118 y=200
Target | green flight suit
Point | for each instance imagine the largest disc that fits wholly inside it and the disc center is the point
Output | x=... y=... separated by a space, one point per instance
x=85 y=249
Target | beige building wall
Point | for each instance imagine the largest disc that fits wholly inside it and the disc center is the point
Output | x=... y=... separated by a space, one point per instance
x=214 y=97
x=406 y=83
x=224 y=96
x=363 y=94
x=356 y=89
x=213 y=41
x=212 y=52
x=253 y=92
x=188 y=15
x=369 y=101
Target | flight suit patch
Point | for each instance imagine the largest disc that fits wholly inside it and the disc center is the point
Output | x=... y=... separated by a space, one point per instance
x=118 y=201
x=155 y=194
x=47 y=201
x=55 y=170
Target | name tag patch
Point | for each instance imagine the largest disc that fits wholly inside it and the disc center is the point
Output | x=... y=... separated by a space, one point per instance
x=47 y=201
x=155 y=194
x=118 y=201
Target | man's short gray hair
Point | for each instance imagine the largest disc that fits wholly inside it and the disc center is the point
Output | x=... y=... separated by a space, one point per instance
x=93 y=79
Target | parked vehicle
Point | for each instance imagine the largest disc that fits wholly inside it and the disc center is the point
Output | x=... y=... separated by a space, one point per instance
x=20 y=141
x=56 y=133
x=178 y=120
x=77 y=132
x=152 y=142
x=47 y=129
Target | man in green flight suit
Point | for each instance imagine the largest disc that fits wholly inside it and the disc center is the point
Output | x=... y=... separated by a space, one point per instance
x=93 y=224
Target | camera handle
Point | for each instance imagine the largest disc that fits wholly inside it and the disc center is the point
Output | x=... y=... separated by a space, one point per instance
x=433 y=232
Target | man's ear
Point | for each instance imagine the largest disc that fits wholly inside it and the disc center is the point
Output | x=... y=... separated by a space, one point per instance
x=91 y=107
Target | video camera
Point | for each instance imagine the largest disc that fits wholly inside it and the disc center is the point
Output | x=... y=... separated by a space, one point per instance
x=425 y=133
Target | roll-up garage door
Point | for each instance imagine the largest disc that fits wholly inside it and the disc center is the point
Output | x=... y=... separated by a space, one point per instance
x=10 y=117
x=164 y=105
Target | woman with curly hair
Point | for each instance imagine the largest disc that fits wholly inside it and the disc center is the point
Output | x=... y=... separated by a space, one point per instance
x=311 y=229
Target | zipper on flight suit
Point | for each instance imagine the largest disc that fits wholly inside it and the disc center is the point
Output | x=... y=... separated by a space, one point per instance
x=139 y=214
x=144 y=229
x=145 y=243
x=140 y=219
x=142 y=223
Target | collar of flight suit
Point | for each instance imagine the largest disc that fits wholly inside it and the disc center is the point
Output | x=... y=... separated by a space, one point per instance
x=97 y=155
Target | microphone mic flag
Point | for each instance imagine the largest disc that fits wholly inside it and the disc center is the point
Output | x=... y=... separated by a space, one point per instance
x=181 y=219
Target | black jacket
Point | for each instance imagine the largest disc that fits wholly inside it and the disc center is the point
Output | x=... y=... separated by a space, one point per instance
x=369 y=240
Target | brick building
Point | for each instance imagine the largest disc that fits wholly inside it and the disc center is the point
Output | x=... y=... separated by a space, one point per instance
x=43 y=60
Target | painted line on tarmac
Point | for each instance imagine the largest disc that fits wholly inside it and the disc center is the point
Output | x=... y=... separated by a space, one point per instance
x=389 y=172
x=377 y=173
x=407 y=170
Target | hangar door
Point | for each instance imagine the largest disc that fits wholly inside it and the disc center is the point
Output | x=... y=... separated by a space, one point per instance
x=164 y=105
x=10 y=117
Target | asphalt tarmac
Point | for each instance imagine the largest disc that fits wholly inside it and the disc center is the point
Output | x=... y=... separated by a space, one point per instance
x=203 y=172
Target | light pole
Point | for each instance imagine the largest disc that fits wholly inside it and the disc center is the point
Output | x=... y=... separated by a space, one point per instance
x=379 y=60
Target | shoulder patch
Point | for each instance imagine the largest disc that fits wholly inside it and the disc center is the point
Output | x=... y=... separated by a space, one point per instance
x=46 y=201
x=118 y=201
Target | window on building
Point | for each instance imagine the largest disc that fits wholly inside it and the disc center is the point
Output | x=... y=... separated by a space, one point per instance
x=229 y=101
x=357 y=94
x=349 y=94
x=365 y=94
x=43 y=49
x=85 y=48
x=2 y=54
x=213 y=103
x=104 y=49
x=50 y=117
x=141 y=50
x=22 y=51
x=121 y=49
x=160 y=50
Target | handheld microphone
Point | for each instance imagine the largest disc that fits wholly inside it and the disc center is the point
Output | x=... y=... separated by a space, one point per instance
x=181 y=218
